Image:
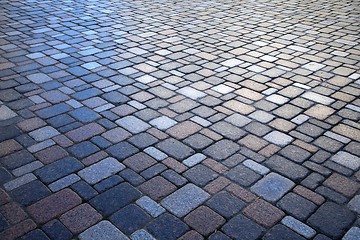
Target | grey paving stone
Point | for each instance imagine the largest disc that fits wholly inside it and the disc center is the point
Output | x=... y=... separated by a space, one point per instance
x=155 y=153
x=295 y=153
x=83 y=149
x=354 y=204
x=297 y=206
x=44 y=133
x=282 y=232
x=352 y=234
x=175 y=148
x=260 y=169
x=30 y=193
x=17 y=182
x=243 y=175
x=240 y=227
x=222 y=149
x=225 y=204
x=39 y=78
x=347 y=160
x=64 y=182
x=133 y=124
x=184 y=200
x=84 y=115
x=163 y=122
x=278 y=138
x=6 y=113
x=272 y=187
x=122 y=150
x=191 y=93
x=194 y=159
x=287 y=168
x=298 y=227
x=143 y=140
x=141 y=235
x=198 y=141
x=104 y=230
x=150 y=206
x=17 y=159
x=101 y=170
x=332 y=219
x=228 y=130
x=200 y=175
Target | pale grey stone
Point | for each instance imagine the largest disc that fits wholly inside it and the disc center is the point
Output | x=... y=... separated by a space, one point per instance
x=352 y=234
x=150 y=206
x=256 y=167
x=194 y=159
x=163 y=122
x=133 y=124
x=64 y=182
x=44 y=133
x=278 y=138
x=27 y=168
x=298 y=227
x=346 y=159
x=156 y=153
x=39 y=78
x=191 y=93
x=104 y=230
x=17 y=182
x=6 y=113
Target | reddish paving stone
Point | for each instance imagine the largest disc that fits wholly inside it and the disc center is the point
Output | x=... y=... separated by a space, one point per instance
x=51 y=154
x=204 y=220
x=191 y=235
x=13 y=213
x=116 y=135
x=94 y=158
x=175 y=165
x=85 y=132
x=8 y=147
x=216 y=166
x=310 y=195
x=63 y=141
x=342 y=184
x=217 y=185
x=17 y=230
x=80 y=218
x=183 y=130
x=157 y=133
x=263 y=213
x=157 y=188
x=4 y=197
x=31 y=124
x=139 y=162
x=241 y=193
x=211 y=134
x=53 y=205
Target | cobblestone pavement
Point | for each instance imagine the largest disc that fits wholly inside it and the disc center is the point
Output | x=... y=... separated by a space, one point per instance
x=156 y=119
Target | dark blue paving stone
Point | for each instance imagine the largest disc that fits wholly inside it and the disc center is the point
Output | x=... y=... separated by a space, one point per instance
x=108 y=183
x=91 y=78
x=243 y=175
x=175 y=148
x=30 y=192
x=9 y=132
x=332 y=219
x=56 y=230
x=51 y=85
x=53 y=110
x=17 y=159
x=20 y=104
x=132 y=177
x=143 y=140
x=218 y=236
x=107 y=123
x=3 y=223
x=84 y=190
x=88 y=93
x=121 y=79
x=9 y=95
x=25 y=140
x=153 y=171
x=60 y=120
x=5 y=176
x=101 y=142
x=69 y=127
x=83 y=149
x=167 y=227
x=287 y=168
x=110 y=115
x=84 y=115
x=225 y=204
x=58 y=169
x=122 y=150
x=36 y=234
x=115 y=198
x=321 y=237
x=200 y=175
x=240 y=227
x=331 y=195
x=297 y=206
x=78 y=71
x=130 y=218
x=174 y=177
x=283 y=233
x=115 y=97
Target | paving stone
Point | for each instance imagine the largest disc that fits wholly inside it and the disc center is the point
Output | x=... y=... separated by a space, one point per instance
x=35 y=234
x=30 y=193
x=10 y=214
x=143 y=140
x=342 y=185
x=163 y=122
x=354 y=204
x=44 y=133
x=17 y=182
x=133 y=124
x=115 y=198
x=240 y=227
x=346 y=159
x=55 y=229
x=167 y=227
x=222 y=149
x=175 y=148
x=184 y=200
x=151 y=188
x=53 y=205
x=194 y=159
x=258 y=168
x=263 y=213
x=122 y=150
x=101 y=170
x=84 y=115
x=108 y=183
x=58 y=169
x=64 y=182
x=6 y=113
x=298 y=227
x=278 y=138
x=155 y=153
x=130 y=219
x=287 y=168
x=225 y=204
x=297 y=206
x=243 y=175
x=183 y=130
x=204 y=220
x=53 y=110
x=150 y=206
x=51 y=154
x=352 y=234
x=228 y=130
x=295 y=153
x=85 y=132
x=200 y=175
x=139 y=162
x=191 y=93
x=132 y=177
x=198 y=141
x=39 y=78
x=83 y=149
x=272 y=187
x=103 y=230
x=193 y=235
x=280 y=231
x=84 y=190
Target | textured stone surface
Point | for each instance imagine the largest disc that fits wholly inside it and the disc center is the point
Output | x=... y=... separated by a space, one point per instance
x=103 y=230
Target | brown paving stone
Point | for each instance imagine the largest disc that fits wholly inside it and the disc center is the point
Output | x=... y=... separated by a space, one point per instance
x=51 y=154
x=157 y=133
x=263 y=213
x=175 y=165
x=347 y=131
x=63 y=141
x=306 y=146
x=18 y=230
x=204 y=220
x=211 y=134
x=342 y=184
x=214 y=165
x=31 y=124
x=253 y=142
x=239 y=107
x=8 y=147
x=269 y=150
x=319 y=111
x=139 y=162
x=241 y=193
x=282 y=125
x=217 y=185
x=13 y=213
x=80 y=218
x=191 y=235
x=310 y=195
x=85 y=132
x=53 y=205
x=116 y=135
x=94 y=158
x=157 y=188
x=4 y=197
x=183 y=130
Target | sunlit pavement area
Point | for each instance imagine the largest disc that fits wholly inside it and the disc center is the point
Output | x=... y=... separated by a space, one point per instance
x=156 y=119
